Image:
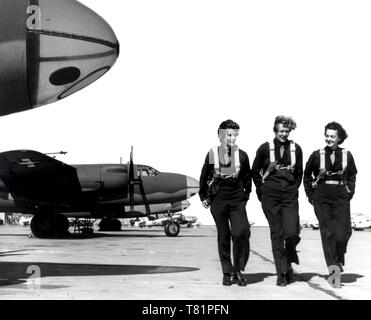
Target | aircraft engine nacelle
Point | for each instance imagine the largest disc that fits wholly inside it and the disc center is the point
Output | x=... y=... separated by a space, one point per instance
x=107 y=181
x=115 y=178
x=49 y=49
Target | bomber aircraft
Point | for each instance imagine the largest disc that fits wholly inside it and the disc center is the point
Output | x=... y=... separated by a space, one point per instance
x=52 y=191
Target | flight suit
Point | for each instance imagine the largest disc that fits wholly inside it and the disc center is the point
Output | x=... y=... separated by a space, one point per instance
x=330 y=193
x=228 y=196
x=278 y=193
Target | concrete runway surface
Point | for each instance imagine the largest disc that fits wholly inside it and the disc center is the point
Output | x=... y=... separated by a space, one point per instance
x=145 y=264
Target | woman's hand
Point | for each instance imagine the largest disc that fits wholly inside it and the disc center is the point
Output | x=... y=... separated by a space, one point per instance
x=206 y=204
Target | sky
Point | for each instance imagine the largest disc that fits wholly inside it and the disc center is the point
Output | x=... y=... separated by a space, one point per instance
x=185 y=66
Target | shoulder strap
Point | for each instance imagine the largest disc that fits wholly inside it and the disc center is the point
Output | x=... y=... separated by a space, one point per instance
x=322 y=159
x=237 y=164
x=272 y=155
x=293 y=153
x=345 y=159
x=215 y=158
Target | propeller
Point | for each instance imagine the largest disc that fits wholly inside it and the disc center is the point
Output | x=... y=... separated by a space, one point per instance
x=131 y=180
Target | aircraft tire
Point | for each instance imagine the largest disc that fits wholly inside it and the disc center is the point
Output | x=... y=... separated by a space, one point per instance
x=110 y=225
x=104 y=225
x=172 y=229
x=43 y=226
x=61 y=224
x=116 y=225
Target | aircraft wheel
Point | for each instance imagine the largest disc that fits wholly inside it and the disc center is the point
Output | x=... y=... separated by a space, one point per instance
x=42 y=225
x=104 y=224
x=172 y=229
x=116 y=225
x=61 y=225
x=110 y=225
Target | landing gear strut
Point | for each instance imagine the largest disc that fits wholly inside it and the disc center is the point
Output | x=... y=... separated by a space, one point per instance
x=49 y=225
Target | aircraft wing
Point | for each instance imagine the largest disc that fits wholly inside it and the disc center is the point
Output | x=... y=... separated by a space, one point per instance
x=33 y=178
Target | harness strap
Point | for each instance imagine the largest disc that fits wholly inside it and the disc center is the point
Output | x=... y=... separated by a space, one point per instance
x=215 y=152
x=236 y=158
x=293 y=153
x=322 y=159
x=345 y=159
x=272 y=155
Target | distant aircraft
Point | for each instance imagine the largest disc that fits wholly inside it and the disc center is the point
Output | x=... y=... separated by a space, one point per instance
x=53 y=191
x=164 y=219
x=25 y=220
x=49 y=50
x=360 y=221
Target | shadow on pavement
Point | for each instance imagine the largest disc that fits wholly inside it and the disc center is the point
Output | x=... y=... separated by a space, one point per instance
x=13 y=253
x=345 y=277
x=256 y=277
x=117 y=234
x=16 y=272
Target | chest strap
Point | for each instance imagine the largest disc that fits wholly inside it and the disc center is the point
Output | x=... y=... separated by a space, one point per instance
x=272 y=156
x=218 y=170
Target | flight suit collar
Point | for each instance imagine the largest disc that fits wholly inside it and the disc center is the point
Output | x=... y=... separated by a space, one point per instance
x=329 y=150
x=279 y=143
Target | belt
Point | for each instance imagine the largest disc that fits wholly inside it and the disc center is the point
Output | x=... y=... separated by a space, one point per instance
x=280 y=167
x=334 y=182
x=227 y=179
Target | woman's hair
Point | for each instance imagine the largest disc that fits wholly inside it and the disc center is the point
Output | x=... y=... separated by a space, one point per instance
x=342 y=134
x=288 y=122
x=228 y=124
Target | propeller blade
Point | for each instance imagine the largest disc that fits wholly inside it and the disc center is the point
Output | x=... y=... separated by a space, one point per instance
x=131 y=166
x=131 y=181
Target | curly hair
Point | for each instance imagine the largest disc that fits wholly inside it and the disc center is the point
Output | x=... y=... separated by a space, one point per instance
x=228 y=124
x=288 y=122
x=342 y=134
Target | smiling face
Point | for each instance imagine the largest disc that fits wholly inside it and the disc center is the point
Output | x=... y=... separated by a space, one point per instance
x=332 y=138
x=227 y=137
x=282 y=132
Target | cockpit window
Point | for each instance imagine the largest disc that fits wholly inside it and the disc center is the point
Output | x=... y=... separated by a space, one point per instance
x=147 y=171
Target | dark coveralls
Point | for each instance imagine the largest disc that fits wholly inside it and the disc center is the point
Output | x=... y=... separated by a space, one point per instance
x=279 y=198
x=331 y=200
x=228 y=202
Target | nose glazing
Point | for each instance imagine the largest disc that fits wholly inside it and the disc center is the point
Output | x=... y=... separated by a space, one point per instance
x=192 y=187
x=50 y=49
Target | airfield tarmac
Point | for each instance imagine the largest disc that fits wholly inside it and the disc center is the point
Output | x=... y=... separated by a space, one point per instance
x=144 y=264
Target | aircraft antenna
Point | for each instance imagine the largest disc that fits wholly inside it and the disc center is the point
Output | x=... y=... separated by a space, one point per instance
x=60 y=152
x=55 y=153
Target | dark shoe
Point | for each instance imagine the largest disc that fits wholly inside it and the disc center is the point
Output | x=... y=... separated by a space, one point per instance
x=292 y=256
x=281 y=280
x=341 y=258
x=227 y=279
x=289 y=275
x=239 y=279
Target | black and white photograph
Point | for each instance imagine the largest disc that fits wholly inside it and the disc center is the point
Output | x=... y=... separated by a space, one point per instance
x=188 y=151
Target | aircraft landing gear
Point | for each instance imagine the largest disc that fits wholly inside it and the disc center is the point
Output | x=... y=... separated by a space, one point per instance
x=108 y=224
x=49 y=225
x=172 y=229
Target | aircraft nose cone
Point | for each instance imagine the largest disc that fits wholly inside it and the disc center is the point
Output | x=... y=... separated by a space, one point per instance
x=49 y=50
x=192 y=187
